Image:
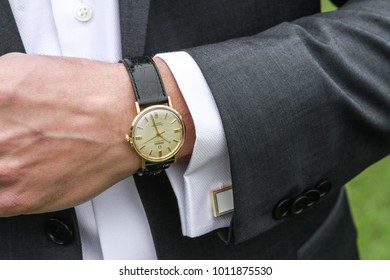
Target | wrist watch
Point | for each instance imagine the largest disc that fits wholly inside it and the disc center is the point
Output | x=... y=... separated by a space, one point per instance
x=157 y=132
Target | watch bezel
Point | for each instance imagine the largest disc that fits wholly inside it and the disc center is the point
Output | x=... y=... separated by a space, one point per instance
x=139 y=116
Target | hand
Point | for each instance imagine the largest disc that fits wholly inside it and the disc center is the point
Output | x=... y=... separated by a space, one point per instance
x=60 y=141
x=62 y=128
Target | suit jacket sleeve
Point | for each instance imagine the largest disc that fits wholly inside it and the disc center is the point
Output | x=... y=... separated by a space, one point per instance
x=301 y=102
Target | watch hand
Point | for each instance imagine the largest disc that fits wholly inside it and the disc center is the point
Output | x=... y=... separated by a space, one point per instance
x=154 y=124
x=151 y=139
x=164 y=137
x=158 y=135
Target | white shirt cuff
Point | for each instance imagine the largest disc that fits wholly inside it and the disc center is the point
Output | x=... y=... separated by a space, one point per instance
x=209 y=167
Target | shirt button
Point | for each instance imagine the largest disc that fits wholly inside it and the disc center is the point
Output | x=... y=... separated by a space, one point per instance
x=83 y=12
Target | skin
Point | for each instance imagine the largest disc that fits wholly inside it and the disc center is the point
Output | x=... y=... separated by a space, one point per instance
x=63 y=123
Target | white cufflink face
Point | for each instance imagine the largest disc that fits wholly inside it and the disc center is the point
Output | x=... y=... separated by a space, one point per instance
x=222 y=201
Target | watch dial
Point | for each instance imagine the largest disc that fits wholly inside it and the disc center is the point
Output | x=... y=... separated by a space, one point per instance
x=157 y=133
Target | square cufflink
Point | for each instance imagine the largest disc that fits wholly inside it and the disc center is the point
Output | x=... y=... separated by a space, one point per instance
x=222 y=200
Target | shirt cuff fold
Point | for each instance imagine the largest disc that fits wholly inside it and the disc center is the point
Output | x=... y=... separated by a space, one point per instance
x=209 y=166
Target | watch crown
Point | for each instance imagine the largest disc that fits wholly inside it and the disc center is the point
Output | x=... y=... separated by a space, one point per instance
x=127 y=138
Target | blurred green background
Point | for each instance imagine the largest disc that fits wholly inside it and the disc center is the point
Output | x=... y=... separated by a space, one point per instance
x=369 y=194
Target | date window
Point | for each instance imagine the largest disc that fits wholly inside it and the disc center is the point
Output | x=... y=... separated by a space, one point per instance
x=158 y=142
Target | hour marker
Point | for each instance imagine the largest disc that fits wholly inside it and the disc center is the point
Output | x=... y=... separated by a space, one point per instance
x=166 y=115
x=156 y=116
x=169 y=149
x=150 y=152
x=160 y=153
x=146 y=119
x=177 y=130
x=174 y=121
x=142 y=147
x=174 y=140
x=138 y=137
x=140 y=127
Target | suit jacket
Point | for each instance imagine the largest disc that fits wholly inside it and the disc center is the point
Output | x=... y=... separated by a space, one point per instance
x=305 y=104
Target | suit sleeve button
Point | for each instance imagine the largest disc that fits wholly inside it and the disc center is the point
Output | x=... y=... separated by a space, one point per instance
x=282 y=209
x=299 y=205
x=324 y=187
x=59 y=232
x=313 y=197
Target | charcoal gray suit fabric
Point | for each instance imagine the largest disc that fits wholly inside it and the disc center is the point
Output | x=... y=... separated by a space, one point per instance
x=10 y=39
x=134 y=16
x=25 y=237
x=300 y=102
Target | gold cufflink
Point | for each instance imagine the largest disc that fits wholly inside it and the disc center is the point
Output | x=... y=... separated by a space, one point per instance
x=222 y=200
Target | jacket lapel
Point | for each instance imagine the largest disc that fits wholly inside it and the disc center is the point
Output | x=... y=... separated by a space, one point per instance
x=9 y=34
x=133 y=20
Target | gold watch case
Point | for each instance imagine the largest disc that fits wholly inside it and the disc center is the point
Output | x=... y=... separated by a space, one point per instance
x=157 y=133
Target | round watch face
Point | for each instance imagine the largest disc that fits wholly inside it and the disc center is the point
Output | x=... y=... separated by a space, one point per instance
x=157 y=133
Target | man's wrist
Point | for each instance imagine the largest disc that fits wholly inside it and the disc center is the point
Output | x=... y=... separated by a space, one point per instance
x=179 y=104
x=126 y=102
x=130 y=112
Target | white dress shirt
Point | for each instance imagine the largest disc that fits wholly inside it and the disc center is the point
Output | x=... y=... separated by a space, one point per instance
x=113 y=225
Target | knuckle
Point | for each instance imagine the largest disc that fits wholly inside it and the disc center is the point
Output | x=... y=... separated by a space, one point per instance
x=10 y=171
x=6 y=91
x=13 y=203
x=11 y=69
x=12 y=55
x=6 y=172
x=8 y=88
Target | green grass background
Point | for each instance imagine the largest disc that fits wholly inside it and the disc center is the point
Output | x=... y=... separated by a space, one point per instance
x=369 y=194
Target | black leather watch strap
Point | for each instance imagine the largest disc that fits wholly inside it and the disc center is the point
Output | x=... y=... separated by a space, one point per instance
x=153 y=168
x=146 y=80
